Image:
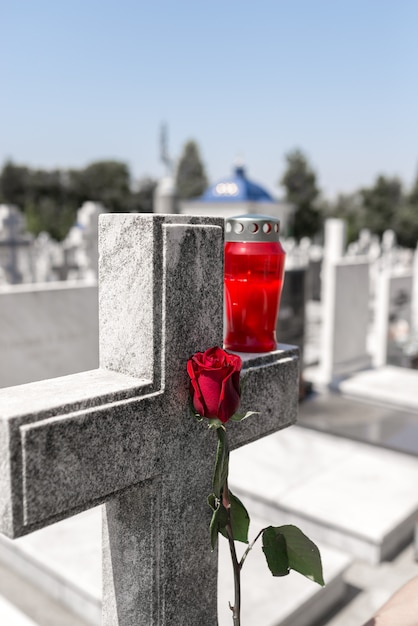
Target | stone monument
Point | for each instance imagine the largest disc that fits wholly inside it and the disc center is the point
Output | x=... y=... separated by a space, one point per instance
x=393 y=316
x=15 y=246
x=80 y=247
x=345 y=302
x=122 y=434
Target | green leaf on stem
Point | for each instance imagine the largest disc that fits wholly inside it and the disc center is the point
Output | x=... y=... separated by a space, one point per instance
x=220 y=473
x=286 y=548
x=239 y=417
x=219 y=519
x=240 y=520
x=213 y=501
x=274 y=548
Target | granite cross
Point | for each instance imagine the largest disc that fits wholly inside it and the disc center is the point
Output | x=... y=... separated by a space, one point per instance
x=122 y=435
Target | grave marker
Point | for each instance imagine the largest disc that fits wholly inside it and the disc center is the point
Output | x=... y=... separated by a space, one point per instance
x=415 y=292
x=122 y=434
x=345 y=300
x=12 y=242
x=393 y=316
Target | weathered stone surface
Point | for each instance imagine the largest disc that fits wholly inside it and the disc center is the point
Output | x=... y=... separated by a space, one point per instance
x=131 y=442
x=75 y=453
x=268 y=387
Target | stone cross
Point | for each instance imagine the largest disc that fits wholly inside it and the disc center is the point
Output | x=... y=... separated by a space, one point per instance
x=122 y=435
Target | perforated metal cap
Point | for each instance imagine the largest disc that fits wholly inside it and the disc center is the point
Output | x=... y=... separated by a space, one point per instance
x=252 y=228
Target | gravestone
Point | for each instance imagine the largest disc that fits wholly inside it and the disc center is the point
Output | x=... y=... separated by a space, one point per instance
x=388 y=245
x=313 y=280
x=47 y=254
x=345 y=327
x=80 y=247
x=14 y=246
x=122 y=435
x=415 y=292
x=308 y=256
x=165 y=196
x=291 y=321
x=345 y=310
x=393 y=317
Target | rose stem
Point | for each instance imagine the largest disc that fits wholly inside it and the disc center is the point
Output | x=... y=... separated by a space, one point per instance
x=236 y=609
x=250 y=547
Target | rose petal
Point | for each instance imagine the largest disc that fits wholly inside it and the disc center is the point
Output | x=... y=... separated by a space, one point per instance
x=215 y=386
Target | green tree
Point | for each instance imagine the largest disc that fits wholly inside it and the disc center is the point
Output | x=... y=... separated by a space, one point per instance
x=46 y=215
x=299 y=180
x=42 y=195
x=381 y=203
x=405 y=225
x=107 y=182
x=406 y=219
x=14 y=182
x=50 y=199
x=191 y=178
x=143 y=198
x=413 y=195
x=45 y=184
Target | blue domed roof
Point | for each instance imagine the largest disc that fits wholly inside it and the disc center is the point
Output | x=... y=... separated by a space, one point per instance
x=236 y=188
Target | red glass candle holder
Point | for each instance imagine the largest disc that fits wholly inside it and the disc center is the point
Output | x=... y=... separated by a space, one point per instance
x=254 y=270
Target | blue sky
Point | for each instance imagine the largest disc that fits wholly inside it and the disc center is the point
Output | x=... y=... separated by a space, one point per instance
x=88 y=79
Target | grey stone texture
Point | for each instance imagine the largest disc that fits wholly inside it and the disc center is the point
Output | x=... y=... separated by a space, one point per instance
x=123 y=435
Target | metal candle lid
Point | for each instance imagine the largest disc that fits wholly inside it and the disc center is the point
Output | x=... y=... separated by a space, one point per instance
x=252 y=227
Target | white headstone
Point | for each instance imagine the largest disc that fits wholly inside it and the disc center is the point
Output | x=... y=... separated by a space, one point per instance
x=345 y=302
x=415 y=293
x=81 y=244
x=335 y=240
x=388 y=248
x=346 y=318
x=47 y=255
x=393 y=314
x=165 y=196
x=15 y=246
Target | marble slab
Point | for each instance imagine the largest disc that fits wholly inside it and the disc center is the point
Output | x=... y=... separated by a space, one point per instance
x=64 y=560
x=384 y=426
x=394 y=386
x=356 y=497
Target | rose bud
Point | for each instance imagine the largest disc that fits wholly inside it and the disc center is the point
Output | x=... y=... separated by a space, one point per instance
x=215 y=386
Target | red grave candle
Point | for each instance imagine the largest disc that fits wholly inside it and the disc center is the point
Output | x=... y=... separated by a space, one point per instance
x=254 y=269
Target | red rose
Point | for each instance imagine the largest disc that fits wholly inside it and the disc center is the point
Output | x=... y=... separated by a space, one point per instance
x=215 y=387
